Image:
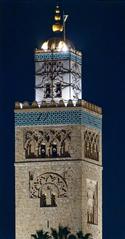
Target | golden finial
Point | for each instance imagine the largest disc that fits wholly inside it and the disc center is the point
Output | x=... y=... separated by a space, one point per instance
x=57 y=26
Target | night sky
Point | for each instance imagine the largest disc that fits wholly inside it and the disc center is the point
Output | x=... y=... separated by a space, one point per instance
x=97 y=28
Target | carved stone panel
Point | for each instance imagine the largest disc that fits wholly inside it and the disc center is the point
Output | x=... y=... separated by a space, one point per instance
x=48 y=187
x=48 y=76
x=47 y=143
x=91 y=145
x=92 y=202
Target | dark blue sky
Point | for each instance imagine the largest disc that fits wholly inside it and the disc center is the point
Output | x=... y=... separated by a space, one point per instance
x=96 y=27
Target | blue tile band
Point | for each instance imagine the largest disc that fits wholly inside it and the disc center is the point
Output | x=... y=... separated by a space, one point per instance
x=58 y=56
x=66 y=117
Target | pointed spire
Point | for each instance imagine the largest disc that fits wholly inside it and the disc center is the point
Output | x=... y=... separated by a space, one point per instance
x=57 y=26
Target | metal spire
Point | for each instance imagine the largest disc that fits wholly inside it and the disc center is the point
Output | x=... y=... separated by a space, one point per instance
x=57 y=26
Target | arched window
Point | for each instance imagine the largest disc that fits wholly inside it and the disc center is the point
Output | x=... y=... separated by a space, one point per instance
x=31 y=149
x=48 y=91
x=54 y=150
x=58 y=90
x=47 y=199
x=43 y=200
x=53 y=200
x=43 y=150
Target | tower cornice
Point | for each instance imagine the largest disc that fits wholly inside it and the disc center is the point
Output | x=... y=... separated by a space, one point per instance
x=82 y=104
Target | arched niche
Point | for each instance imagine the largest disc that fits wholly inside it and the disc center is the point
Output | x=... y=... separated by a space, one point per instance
x=46 y=183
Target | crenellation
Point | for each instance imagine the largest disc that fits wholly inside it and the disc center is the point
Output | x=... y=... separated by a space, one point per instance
x=80 y=103
x=34 y=104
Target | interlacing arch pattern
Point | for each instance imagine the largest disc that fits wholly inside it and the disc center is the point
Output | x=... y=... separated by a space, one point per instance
x=48 y=187
x=47 y=143
x=91 y=145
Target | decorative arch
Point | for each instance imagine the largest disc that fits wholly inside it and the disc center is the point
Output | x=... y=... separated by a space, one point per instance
x=91 y=145
x=49 y=143
x=54 y=181
x=92 y=201
x=31 y=148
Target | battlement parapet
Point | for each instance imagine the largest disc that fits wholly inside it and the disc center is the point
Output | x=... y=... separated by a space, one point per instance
x=39 y=51
x=61 y=103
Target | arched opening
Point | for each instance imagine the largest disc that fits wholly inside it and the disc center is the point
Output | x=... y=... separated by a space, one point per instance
x=31 y=150
x=65 y=148
x=47 y=196
x=43 y=200
x=53 y=200
x=43 y=150
x=58 y=90
x=48 y=91
x=51 y=185
x=54 y=150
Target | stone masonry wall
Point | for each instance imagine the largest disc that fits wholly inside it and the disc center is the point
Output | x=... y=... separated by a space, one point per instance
x=30 y=217
x=71 y=178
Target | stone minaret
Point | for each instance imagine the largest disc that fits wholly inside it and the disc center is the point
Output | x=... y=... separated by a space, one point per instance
x=58 y=147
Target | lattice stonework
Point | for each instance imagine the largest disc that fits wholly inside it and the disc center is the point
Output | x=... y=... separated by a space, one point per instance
x=57 y=76
x=48 y=187
x=47 y=143
x=70 y=117
x=91 y=145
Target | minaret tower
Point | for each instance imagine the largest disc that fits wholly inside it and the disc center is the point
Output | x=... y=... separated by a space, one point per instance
x=58 y=146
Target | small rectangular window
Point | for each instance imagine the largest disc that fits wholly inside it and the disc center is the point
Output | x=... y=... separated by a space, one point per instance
x=48 y=91
x=58 y=90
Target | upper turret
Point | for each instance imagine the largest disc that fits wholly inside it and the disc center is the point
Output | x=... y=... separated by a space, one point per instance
x=58 y=66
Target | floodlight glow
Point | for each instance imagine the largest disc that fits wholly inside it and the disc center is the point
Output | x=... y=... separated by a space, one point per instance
x=45 y=46
x=59 y=46
x=62 y=46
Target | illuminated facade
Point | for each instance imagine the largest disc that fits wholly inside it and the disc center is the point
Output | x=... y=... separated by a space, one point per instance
x=57 y=71
x=58 y=148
